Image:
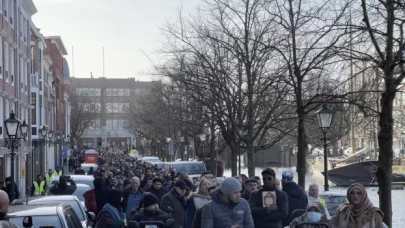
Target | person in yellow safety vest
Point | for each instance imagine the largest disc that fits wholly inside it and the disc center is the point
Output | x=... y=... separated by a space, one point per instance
x=48 y=176
x=38 y=186
x=313 y=195
x=57 y=172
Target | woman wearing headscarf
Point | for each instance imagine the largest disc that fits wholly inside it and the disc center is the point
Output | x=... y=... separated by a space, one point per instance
x=112 y=215
x=359 y=212
x=197 y=200
x=315 y=213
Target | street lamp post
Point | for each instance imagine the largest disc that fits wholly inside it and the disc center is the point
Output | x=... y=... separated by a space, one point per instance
x=325 y=117
x=13 y=142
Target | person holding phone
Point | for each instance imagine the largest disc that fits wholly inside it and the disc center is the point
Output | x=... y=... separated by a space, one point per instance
x=62 y=188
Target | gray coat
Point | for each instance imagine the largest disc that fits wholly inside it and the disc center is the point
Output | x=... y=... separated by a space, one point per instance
x=218 y=214
x=178 y=205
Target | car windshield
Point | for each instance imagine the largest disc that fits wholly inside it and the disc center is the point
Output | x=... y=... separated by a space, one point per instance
x=152 y=159
x=39 y=221
x=77 y=207
x=89 y=182
x=190 y=168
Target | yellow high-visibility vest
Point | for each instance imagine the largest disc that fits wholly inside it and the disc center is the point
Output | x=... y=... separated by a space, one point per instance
x=55 y=173
x=322 y=201
x=48 y=178
x=39 y=189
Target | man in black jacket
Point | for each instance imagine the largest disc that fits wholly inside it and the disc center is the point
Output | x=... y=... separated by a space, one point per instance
x=174 y=202
x=150 y=212
x=157 y=189
x=62 y=188
x=270 y=216
x=297 y=199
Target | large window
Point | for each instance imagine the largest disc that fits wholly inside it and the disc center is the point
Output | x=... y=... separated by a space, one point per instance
x=88 y=91
x=117 y=92
x=115 y=124
x=116 y=107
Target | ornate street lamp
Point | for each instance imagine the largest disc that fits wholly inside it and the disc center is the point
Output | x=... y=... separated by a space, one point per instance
x=13 y=142
x=325 y=117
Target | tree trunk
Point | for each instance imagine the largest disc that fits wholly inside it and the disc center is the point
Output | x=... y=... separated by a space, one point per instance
x=250 y=155
x=212 y=149
x=234 y=160
x=385 y=157
x=302 y=147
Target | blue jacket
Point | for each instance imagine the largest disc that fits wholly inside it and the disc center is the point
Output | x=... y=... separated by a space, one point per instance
x=218 y=214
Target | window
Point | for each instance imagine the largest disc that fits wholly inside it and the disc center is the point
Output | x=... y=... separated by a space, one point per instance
x=6 y=9
x=32 y=58
x=21 y=24
x=25 y=76
x=1 y=117
x=12 y=65
x=1 y=55
x=40 y=220
x=21 y=74
x=7 y=104
x=11 y=12
x=6 y=61
x=116 y=107
x=127 y=92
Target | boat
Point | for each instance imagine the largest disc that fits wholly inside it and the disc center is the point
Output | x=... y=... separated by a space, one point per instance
x=362 y=172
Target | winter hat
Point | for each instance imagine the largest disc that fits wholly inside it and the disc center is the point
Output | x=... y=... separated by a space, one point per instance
x=287 y=176
x=150 y=199
x=230 y=185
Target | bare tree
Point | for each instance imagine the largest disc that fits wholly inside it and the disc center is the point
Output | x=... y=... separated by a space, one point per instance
x=85 y=112
x=308 y=35
x=224 y=56
x=378 y=31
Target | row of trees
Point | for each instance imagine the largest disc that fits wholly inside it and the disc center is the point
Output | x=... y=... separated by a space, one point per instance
x=266 y=66
x=256 y=70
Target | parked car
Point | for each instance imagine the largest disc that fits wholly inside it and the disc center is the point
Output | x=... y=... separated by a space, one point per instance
x=79 y=179
x=86 y=167
x=333 y=200
x=151 y=159
x=86 y=219
x=58 y=215
x=192 y=168
x=81 y=189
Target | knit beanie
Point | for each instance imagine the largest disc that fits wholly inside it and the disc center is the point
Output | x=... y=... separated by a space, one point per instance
x=150 y=199
x=230 y=185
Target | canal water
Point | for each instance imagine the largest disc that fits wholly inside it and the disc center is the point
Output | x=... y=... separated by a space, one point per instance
x=398 y=205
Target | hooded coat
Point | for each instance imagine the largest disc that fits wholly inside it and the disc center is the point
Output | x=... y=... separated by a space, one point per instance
x=7 y=189
x=218 y=214
x=297 y=199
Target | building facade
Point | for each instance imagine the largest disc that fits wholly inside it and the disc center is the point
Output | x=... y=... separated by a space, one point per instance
x=111 y=97
x=15 y=60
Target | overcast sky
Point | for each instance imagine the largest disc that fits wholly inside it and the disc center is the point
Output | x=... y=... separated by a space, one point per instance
x=125 y=28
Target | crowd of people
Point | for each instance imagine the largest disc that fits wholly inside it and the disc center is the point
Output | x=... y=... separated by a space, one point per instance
x=127 y=189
